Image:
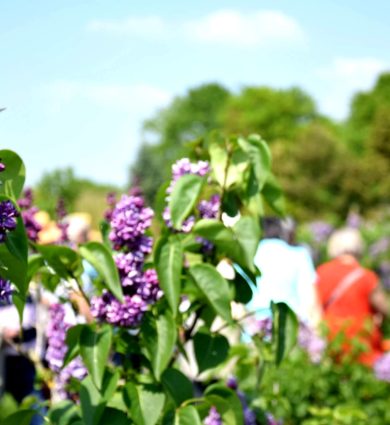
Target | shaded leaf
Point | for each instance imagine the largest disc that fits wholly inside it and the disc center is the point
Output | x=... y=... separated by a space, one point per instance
x=13 y=177
x=284 y=330
x=210 y=350
x=178 y=386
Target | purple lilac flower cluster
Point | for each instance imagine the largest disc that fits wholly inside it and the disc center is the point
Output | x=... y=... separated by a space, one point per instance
x=354 y=220
x=5 y=291
x=180 y=168
x=2 y=166
x=56 y=334
x=320 y=230
x=313 y=344
x=130 y=219
x=213 y=418
x=28 y=215
x=382 y=368
x=249 y=414
x=8 y=216
x=264 y=327
x=379 y=247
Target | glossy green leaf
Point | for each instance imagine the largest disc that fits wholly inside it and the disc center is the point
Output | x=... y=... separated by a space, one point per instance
x=216 y=232
x=63 y=260
x=178 y=386
x=72 y=341
x=159 y=336
x=13 y=177
x=95 y=347
x=187 y=416
x=210 y=350
x=284 y=330
x=63 y=413
x=35 y=262
x=169 y=263
x=183 y=198
x=147 y=402
x=101 y=259
x=214 y=288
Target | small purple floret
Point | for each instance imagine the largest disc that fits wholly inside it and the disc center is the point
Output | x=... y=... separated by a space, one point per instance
x=213 y=418
x=8 y=216
x=5 y=291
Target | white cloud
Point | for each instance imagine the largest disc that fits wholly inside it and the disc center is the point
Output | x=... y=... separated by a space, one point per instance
x=227 y=27
x=231 y=27
x=343 y=78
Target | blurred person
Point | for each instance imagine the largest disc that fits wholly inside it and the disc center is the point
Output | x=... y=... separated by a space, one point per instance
x=287 y=274
x=350 y=295
x=16 y=345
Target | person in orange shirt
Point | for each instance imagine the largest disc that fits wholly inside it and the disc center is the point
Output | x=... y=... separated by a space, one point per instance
x=351 y=297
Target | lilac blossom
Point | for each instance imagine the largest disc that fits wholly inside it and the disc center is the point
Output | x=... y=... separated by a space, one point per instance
x=321 y=230
x=111 y=201
x=379 y=247
x=130 y=219
x=8 y=216
x=382 y=368
x=249 y=414
x=2 y=166
x=5 y=291
x=264 y=327
x=311 y=343
x=55 y=353
x=210 y=208
x=354 y=220
x=213 y=418
x=384 y=273
x=28 y=215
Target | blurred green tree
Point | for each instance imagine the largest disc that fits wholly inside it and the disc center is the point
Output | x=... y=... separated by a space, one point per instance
x=186 y=118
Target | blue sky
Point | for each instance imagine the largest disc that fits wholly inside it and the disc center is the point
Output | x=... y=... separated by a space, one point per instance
x=78 y=77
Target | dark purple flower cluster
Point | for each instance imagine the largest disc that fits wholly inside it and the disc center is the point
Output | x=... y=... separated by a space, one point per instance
x=5 y=291
x=320 y=230
x=130 y=220
x=55 y=353
x=354 y=220
x=382 y=368
x=8 y=216
x=2 y=166
x=28 y=215
x=313 y=344
x=210 y=208
x=213 y=418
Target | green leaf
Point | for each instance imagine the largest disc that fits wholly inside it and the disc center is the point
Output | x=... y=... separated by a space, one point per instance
x=113 y=416
x=147 y=402
x=159 y=335
x=273 y=194
x=284 y=330
x=214 y=288
x=72 y=340
x=95 y=347
x=92 y=403
x=169 y=263
x=35 y=262
x=12 y=178
x=63 y=413
x=259 y=157
x=247 y=231
x=101 y=259
x=187 y=416
x=216 y=232
x=242 y=286
x=226 y=402
x=178 y=386
x=183 y=198
x=63 y=260
x=22 y=417
x=210 y=350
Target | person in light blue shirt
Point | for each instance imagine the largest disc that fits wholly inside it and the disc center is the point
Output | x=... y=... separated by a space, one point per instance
x=287 y=275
